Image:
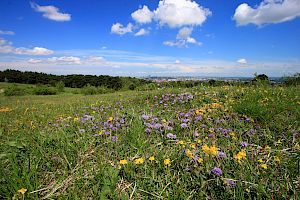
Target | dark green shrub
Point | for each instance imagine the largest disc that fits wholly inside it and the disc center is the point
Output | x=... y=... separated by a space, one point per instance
x=89 y=90
x=260 y=79
x=14 y=91
x=60 y=86
x=132 y=86
x=44 y=90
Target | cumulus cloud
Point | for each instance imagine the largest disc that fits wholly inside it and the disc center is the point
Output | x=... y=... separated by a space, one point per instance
x=6 y=32
x=183 y=38
x=141 y=32
x=242 y=61
x=142 y=15
x=51 y=12
x=269 y=11
x=7 y=47
x=178 y=13
x=119 y=29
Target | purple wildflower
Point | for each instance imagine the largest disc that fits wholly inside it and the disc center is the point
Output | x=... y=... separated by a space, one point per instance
x=183 y=125
x=211 y=136
x=196 y=134
x=171 y=136
x=146 y=117
x=216 y=171
x=81 y=131
x=114 y=138
x=244 y=144
x=157 y=126
x=221 y=154
x=230 y=183
x=106 y=133
x=198 y=118
x=147 y=130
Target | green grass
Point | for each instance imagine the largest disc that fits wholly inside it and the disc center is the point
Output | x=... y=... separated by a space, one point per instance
x=44 y=149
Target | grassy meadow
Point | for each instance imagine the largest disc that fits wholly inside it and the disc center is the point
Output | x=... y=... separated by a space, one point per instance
x=225 y=142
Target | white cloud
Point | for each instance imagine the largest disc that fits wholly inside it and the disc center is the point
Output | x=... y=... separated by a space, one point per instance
x=65 y=59
x=269 y=11
x=95 y=59
x=40 y=51
x=242 y=61
x=34 y=61
x=177 y=62
x=7 y=47
x=183 y=38
x=184 y=33
x=142 y=15
x=178 y=13
x=119 y=29
x=51 y=12
x=6 y=32
x=141 y=32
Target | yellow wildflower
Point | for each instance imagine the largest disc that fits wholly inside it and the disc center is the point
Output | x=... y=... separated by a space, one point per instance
x=167 y=162
x=276 y=159
x=264 y=166
x=241 y=155
x=213 y=150
x=216 y=105
x=260 y=161
x=123 y=162
x=139 y=161
x=180 y=142
x=152 y=158
x=193 y=146
x=110 y=118
x=205 y=149
x=22 y=190
x=199 y=141
x=200 y=160
x=189 y=153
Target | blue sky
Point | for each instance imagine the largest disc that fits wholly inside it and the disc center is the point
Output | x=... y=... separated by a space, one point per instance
x=151 y=37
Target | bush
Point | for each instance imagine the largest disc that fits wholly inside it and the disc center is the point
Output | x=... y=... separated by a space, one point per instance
x=132 y=86
x=14 y=91
x=89 y=90
x=44 y=90
x=260 y=80
x=60 y=86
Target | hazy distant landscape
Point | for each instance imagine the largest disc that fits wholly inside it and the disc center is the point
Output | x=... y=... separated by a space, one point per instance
x=139 y=99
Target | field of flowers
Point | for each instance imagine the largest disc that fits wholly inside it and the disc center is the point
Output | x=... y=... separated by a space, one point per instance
x=229 y=142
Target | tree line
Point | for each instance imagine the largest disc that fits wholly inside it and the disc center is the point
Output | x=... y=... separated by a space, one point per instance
x=73 y=81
